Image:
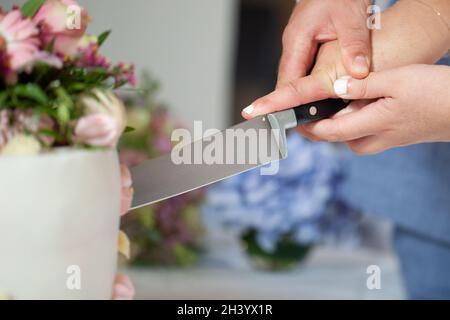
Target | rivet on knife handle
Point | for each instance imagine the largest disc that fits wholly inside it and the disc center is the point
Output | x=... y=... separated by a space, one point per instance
x=318 y=110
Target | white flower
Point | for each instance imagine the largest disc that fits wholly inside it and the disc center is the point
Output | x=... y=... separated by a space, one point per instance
x=21 y=145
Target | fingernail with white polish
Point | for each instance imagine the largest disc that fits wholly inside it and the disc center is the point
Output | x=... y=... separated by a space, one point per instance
x=249 y=109
x=341 y=86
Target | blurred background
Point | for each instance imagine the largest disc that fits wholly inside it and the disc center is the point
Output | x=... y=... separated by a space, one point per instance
x=250 y=237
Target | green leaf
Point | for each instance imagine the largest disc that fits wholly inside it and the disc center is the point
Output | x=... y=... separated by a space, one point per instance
x=31 y=7
x=51 y=45
x=63 y=113
x=64 y=96
x=102 y=37
x=77 y=86
x=31 y=91
x=129 y=129
x=3 y=98
x=50 y=133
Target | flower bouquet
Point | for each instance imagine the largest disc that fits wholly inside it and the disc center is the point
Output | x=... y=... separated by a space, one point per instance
x=60 y=179
x=279 y=218
x=167 y=233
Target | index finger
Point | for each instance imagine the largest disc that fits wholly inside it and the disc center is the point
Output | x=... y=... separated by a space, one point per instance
x=312 y=88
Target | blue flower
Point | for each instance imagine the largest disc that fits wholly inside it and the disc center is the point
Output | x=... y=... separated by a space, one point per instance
x=300 y=200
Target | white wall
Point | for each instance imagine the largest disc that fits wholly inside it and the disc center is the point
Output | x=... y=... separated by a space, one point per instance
x=187 y=44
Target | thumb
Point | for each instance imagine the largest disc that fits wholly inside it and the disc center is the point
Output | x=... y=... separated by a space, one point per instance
x=303 y=90
x=355 y=43
x=376 y=85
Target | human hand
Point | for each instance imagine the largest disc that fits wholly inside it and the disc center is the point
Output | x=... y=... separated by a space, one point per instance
x=123 y=288
x=127 y=190
x=398 y=43
x=412 y=106
x=318 y=21
x=317 y=86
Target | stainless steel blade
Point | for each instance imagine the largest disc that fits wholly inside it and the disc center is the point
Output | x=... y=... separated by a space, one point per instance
x=158 y=179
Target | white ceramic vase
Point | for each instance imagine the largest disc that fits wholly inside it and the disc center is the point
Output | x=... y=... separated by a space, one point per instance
x=59 y=221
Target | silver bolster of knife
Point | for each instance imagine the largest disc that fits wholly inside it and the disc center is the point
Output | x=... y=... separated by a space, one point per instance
x=280 y=122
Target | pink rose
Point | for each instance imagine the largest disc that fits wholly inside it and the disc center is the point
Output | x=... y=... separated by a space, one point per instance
x=99 y=129
x=56 y=18
x=104 y=119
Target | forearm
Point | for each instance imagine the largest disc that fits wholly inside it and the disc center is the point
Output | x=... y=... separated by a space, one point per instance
x=411 y=32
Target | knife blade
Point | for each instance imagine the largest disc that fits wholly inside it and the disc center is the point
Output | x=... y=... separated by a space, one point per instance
x=161 y=178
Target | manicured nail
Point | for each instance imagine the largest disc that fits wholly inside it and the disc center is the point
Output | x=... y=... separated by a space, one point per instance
x=361 y=65
x=341 y=86
x=249 y=109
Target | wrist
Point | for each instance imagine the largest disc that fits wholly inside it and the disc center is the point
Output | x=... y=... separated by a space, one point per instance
x=409 y=34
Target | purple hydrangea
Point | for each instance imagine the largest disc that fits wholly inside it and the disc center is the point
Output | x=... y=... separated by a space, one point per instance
x=300 y=200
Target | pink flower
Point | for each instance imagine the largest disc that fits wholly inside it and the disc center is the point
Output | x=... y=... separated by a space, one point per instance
x=105 y=119
x=18 y=38
x=19 y=46
x=89 y=57
x=124 y=73
x=99 y=129
x=48 y=59
x=104 y=101
x=54 y=17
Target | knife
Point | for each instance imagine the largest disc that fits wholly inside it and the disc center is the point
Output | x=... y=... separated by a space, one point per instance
x=160 y=178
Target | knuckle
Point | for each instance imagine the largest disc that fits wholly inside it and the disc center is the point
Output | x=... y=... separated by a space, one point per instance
x=355 y=43
x=294 y=88
x=356 y=10
x=387 y=110
x=326 y=76
x=363 y=88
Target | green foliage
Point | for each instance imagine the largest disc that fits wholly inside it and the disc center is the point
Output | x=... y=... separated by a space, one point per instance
x=102 y=37
x=286 y=254
x=64 y=106
x=52 y=88
x=3 y=98
x=129 y=129
x=50 y=133
x=31 y=7
x=31 y=92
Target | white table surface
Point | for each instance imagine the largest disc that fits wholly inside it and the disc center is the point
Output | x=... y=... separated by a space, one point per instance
x=329 y=273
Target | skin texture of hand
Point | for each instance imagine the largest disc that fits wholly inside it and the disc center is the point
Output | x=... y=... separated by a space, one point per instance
x=412 y=105
x=127 y=190
x=317 y=21
x=123 y=288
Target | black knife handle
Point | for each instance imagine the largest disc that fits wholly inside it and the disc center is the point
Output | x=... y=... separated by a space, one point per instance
x=319 y=110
